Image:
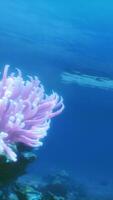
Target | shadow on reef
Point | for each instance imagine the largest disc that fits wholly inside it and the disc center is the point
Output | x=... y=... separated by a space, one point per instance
x=10 y=171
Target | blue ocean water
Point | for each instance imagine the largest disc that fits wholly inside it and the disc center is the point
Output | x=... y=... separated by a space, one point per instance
x=47 y=38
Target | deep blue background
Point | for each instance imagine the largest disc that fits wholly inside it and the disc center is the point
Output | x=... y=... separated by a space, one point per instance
x=48 y=37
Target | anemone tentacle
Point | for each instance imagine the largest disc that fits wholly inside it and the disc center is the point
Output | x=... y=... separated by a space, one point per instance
x=25 y=112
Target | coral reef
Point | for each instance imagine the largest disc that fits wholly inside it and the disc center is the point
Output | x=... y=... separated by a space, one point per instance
x=57 y=186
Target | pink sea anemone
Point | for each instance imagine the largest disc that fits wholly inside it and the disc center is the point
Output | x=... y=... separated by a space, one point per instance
x=25 y=112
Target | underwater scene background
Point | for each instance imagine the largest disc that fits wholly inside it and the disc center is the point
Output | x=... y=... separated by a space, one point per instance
x=69 y=46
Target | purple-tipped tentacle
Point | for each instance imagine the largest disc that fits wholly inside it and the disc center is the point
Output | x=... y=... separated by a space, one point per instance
x=25 y=112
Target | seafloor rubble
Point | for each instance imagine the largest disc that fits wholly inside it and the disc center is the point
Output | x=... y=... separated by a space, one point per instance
x=56 y=186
